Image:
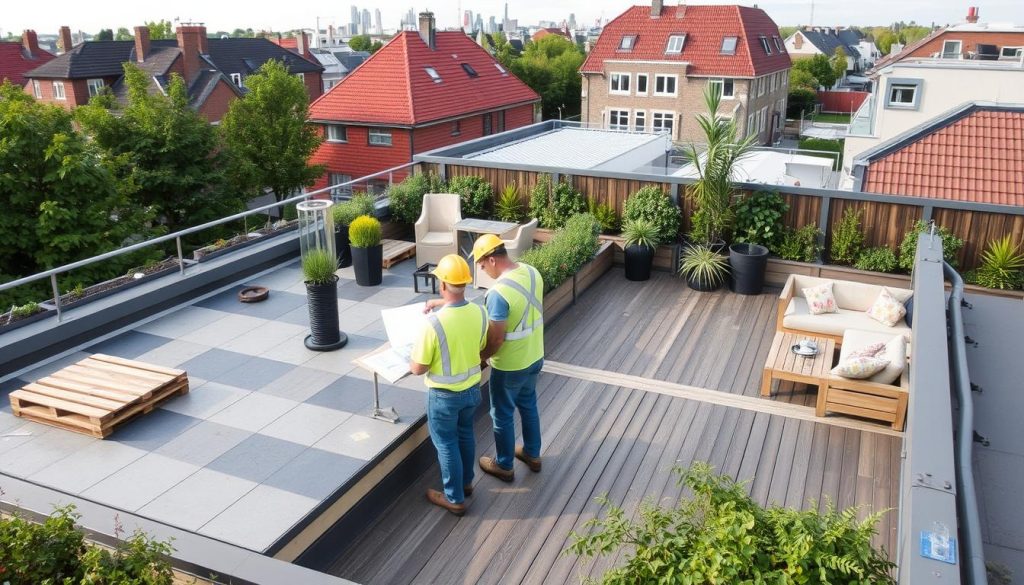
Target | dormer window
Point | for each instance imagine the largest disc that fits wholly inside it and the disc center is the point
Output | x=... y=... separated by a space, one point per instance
x=469 y=70
x=500 y=69
x=729 y=45
x=236 y=78
x=764 y=45
x=675 y=44
x=626 y=42
x=778 y=43
x=433 y=74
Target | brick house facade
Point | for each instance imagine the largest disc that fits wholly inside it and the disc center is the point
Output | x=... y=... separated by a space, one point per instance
x=961 y=41
x=16 y=59
x=649 y=69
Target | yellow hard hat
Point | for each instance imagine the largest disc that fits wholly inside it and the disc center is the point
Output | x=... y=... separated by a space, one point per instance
x=484 y=245
x=453 y=269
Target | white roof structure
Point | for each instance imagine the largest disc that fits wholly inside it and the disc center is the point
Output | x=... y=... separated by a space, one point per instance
x=778 y=168
x=579 y=148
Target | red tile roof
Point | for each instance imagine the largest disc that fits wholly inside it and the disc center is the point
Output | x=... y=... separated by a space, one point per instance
x=14 y=63
x=540 y=34
x=979 y=158
x=393 y=87
x=704 y=27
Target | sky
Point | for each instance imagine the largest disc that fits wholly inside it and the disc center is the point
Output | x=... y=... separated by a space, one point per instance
x=280 y=15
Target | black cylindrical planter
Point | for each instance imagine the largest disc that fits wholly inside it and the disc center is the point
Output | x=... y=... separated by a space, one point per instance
x=368 y=264
x=748 y=262
x=323 y=317
x=638 y=262
x=341 y=246
x=701 y=286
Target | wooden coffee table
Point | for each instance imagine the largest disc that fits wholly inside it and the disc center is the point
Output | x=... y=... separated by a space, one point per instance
x=783 y=364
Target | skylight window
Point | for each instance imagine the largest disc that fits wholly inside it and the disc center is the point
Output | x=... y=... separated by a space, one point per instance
x=729 y=45
x=500 y=69
x=778 y=43
x=433 y=74
x=675 y=44
x=469 y=70
x=764 y=45
x=627 y=42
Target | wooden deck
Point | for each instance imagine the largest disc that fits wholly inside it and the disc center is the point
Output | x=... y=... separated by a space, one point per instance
x=650 y=375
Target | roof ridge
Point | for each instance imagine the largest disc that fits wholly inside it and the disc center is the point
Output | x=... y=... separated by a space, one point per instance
x=408 y=73
x=607 y=26
x=750 y=48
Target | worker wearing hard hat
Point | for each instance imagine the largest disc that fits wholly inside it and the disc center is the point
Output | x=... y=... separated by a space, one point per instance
x=448 y=352
x=515 y=347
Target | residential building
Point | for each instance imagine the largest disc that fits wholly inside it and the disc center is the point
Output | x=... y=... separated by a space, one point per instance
x=16 y=59
x=214 y=70
x=552 y=30
x=809 y=41
x=421 y=91
x=338 y=64
x=651 y=65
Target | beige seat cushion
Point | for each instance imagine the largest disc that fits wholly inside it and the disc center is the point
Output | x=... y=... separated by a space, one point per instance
x=798 y=316
x=437 y=239
x=853 y=296
x=895 y=351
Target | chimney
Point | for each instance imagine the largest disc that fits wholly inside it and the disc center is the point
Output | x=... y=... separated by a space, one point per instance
x=65 y=39
x=301 y=42
x=192 y=42
x=141 y=43
x=427 y=30
x=681 y=9
x=656 y=6
x=30 y=42
x=798 y=41
x=972 y=14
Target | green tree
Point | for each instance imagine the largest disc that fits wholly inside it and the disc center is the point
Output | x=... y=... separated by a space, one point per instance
x=786 y=31
x=839 y=63
x=267 y=135
x=159 y=30
x=105 y=34
x=550 y=67
x=820 y=67
x=802 y=78
x=504 y=52
x=376 y=46
x=165 y=149
x=360 y=43
x=123 y=34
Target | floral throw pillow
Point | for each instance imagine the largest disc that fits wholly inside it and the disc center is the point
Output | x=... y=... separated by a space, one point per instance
x=820 y=299
x=886 y=309
x=858 y=368
x=869 y=351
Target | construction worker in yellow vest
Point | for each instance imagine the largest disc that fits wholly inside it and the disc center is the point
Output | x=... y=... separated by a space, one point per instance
x=448 y=352
x=515 y=348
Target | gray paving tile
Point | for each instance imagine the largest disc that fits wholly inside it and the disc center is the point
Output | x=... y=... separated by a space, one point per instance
x=315 y=474
x=85 y=467
x=278 y=303
x=22 y=433
x=256 y=458
x=224 y=330
x=264 y=338
x=349 y=393
x=279 y=279
x=226 y=300
x=152 y=430
x=340 y=361
x=182 y=321
x=299 y=384
x=354 y=292
x=259 y=518
x=173 y=353
x=8 y=422
x=205 y=400
x=361 y=437
x=305 y=424
x=52 y=366
x=203 y=443
x=129 y=345
x=395 y=297
x=254 y=411
x=214 y=362
x=359 y=316
x=197 y=499
x=254 y=373
x=292 y=351
x=409 y=404
x=6 y=387
x=139 y=482
x=23 y=455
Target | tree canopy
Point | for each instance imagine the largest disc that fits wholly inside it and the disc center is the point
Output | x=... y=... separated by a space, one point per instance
x=818 y=67
x=105 y=34
x=363 y=43
x=839 y=63
x=123 y=34
x=160 y=30
x=550 y=67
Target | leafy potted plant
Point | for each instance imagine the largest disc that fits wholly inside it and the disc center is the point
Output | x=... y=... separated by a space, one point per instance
x=704 y=268
x=344 y=214
x=318 y=268
x=641 y=238
x=1002 y=266
x=758 y=227
x=367 y=251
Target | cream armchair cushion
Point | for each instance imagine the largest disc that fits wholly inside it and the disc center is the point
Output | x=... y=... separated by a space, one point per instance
x=435 y=229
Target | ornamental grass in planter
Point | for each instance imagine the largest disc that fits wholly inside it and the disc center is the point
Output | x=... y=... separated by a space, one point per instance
x=641 y=237
x=322 y=290
x=703 y=268
x=367 y=251
x=344 y=214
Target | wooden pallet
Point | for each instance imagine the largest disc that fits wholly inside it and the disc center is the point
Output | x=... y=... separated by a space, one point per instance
x=98 y=393
x=397 y=250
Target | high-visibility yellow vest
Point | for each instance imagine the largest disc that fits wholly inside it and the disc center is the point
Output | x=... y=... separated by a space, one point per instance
x=523 y=290
x=459 y=334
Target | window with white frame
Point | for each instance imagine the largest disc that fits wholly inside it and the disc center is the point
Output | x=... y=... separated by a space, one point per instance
x=761 y=83
x=626 y=42
x=488 y=129
x=729 y=45
x=640 y=120
x=302 y=77
x=58 y=90
x=728 y=88
x=951 y=49
x=619 y=83
x=902 y=95
x=500 y=69
x=778 y=43
x=771 y=82
x=456 y=128
x=750 y=124
x=338 y=189
x=762 y=115
x=618 y=119
x=764 y=45
x=641 y=84
x=1011 y=52
x=665 y=85
x=380 y=137
x=675 y=44
x=337 y=133
x=95 y=87
x=37 y=90
x=236 y=78
x=433 y=74
x=663 y=122
x=724 y=87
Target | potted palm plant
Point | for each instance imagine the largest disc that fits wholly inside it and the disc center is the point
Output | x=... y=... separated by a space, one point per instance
x=641 y=240
x=704 y=268
x=318 y=268
x=367 y=251
x=344 y=214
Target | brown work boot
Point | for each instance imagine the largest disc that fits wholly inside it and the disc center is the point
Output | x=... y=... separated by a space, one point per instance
x=491 y=467
x=439 y=499
x=468 y=490
x=532 y=462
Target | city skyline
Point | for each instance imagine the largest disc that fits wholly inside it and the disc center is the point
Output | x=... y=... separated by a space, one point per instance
x=265 y=15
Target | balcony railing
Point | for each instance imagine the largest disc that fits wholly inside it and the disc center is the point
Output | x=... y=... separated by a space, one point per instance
x=863 y=121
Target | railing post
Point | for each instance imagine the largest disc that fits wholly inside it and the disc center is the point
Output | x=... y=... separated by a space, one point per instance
x=391 y=179
x=181 y=257
x=926 y=213
x=823 y=224
x=56 y=294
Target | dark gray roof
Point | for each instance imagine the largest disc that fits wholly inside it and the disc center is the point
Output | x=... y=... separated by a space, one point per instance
x=89 y=59
x=350 y=61
x=245 y=56
x=851 y=37
x=827 y=43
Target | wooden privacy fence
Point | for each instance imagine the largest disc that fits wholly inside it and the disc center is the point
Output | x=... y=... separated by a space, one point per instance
x=885 y=222
x=844 y=102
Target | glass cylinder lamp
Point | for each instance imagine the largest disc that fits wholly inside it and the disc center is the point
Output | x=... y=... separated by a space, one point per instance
x=316 y=226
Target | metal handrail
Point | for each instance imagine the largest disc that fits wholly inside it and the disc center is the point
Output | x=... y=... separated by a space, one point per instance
x=970 y=522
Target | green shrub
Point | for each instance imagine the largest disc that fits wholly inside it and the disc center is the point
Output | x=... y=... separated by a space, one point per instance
x=540 y=197
x=640 y=232
x=570 y=249
x=1002 y=266
x=880 y=259
x=346 y=212
x=318 y=266
x=823 y=144
x=475 y=193
x=700 y=263
x=908 y=247
x=26 y=310
x=553 y=205
x=406 y=198
x=801 y=99
x=720 y=535
x=847 y=238
x=801 y=245
x=509 y=207
x=605 y=215
x=652 y=204
x=364 y=232
x=759 y=219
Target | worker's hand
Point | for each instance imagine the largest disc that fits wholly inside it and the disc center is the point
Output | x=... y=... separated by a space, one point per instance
x=432 y=304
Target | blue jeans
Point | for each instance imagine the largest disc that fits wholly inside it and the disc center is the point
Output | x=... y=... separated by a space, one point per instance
x=511 y=390
x=450 y=421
